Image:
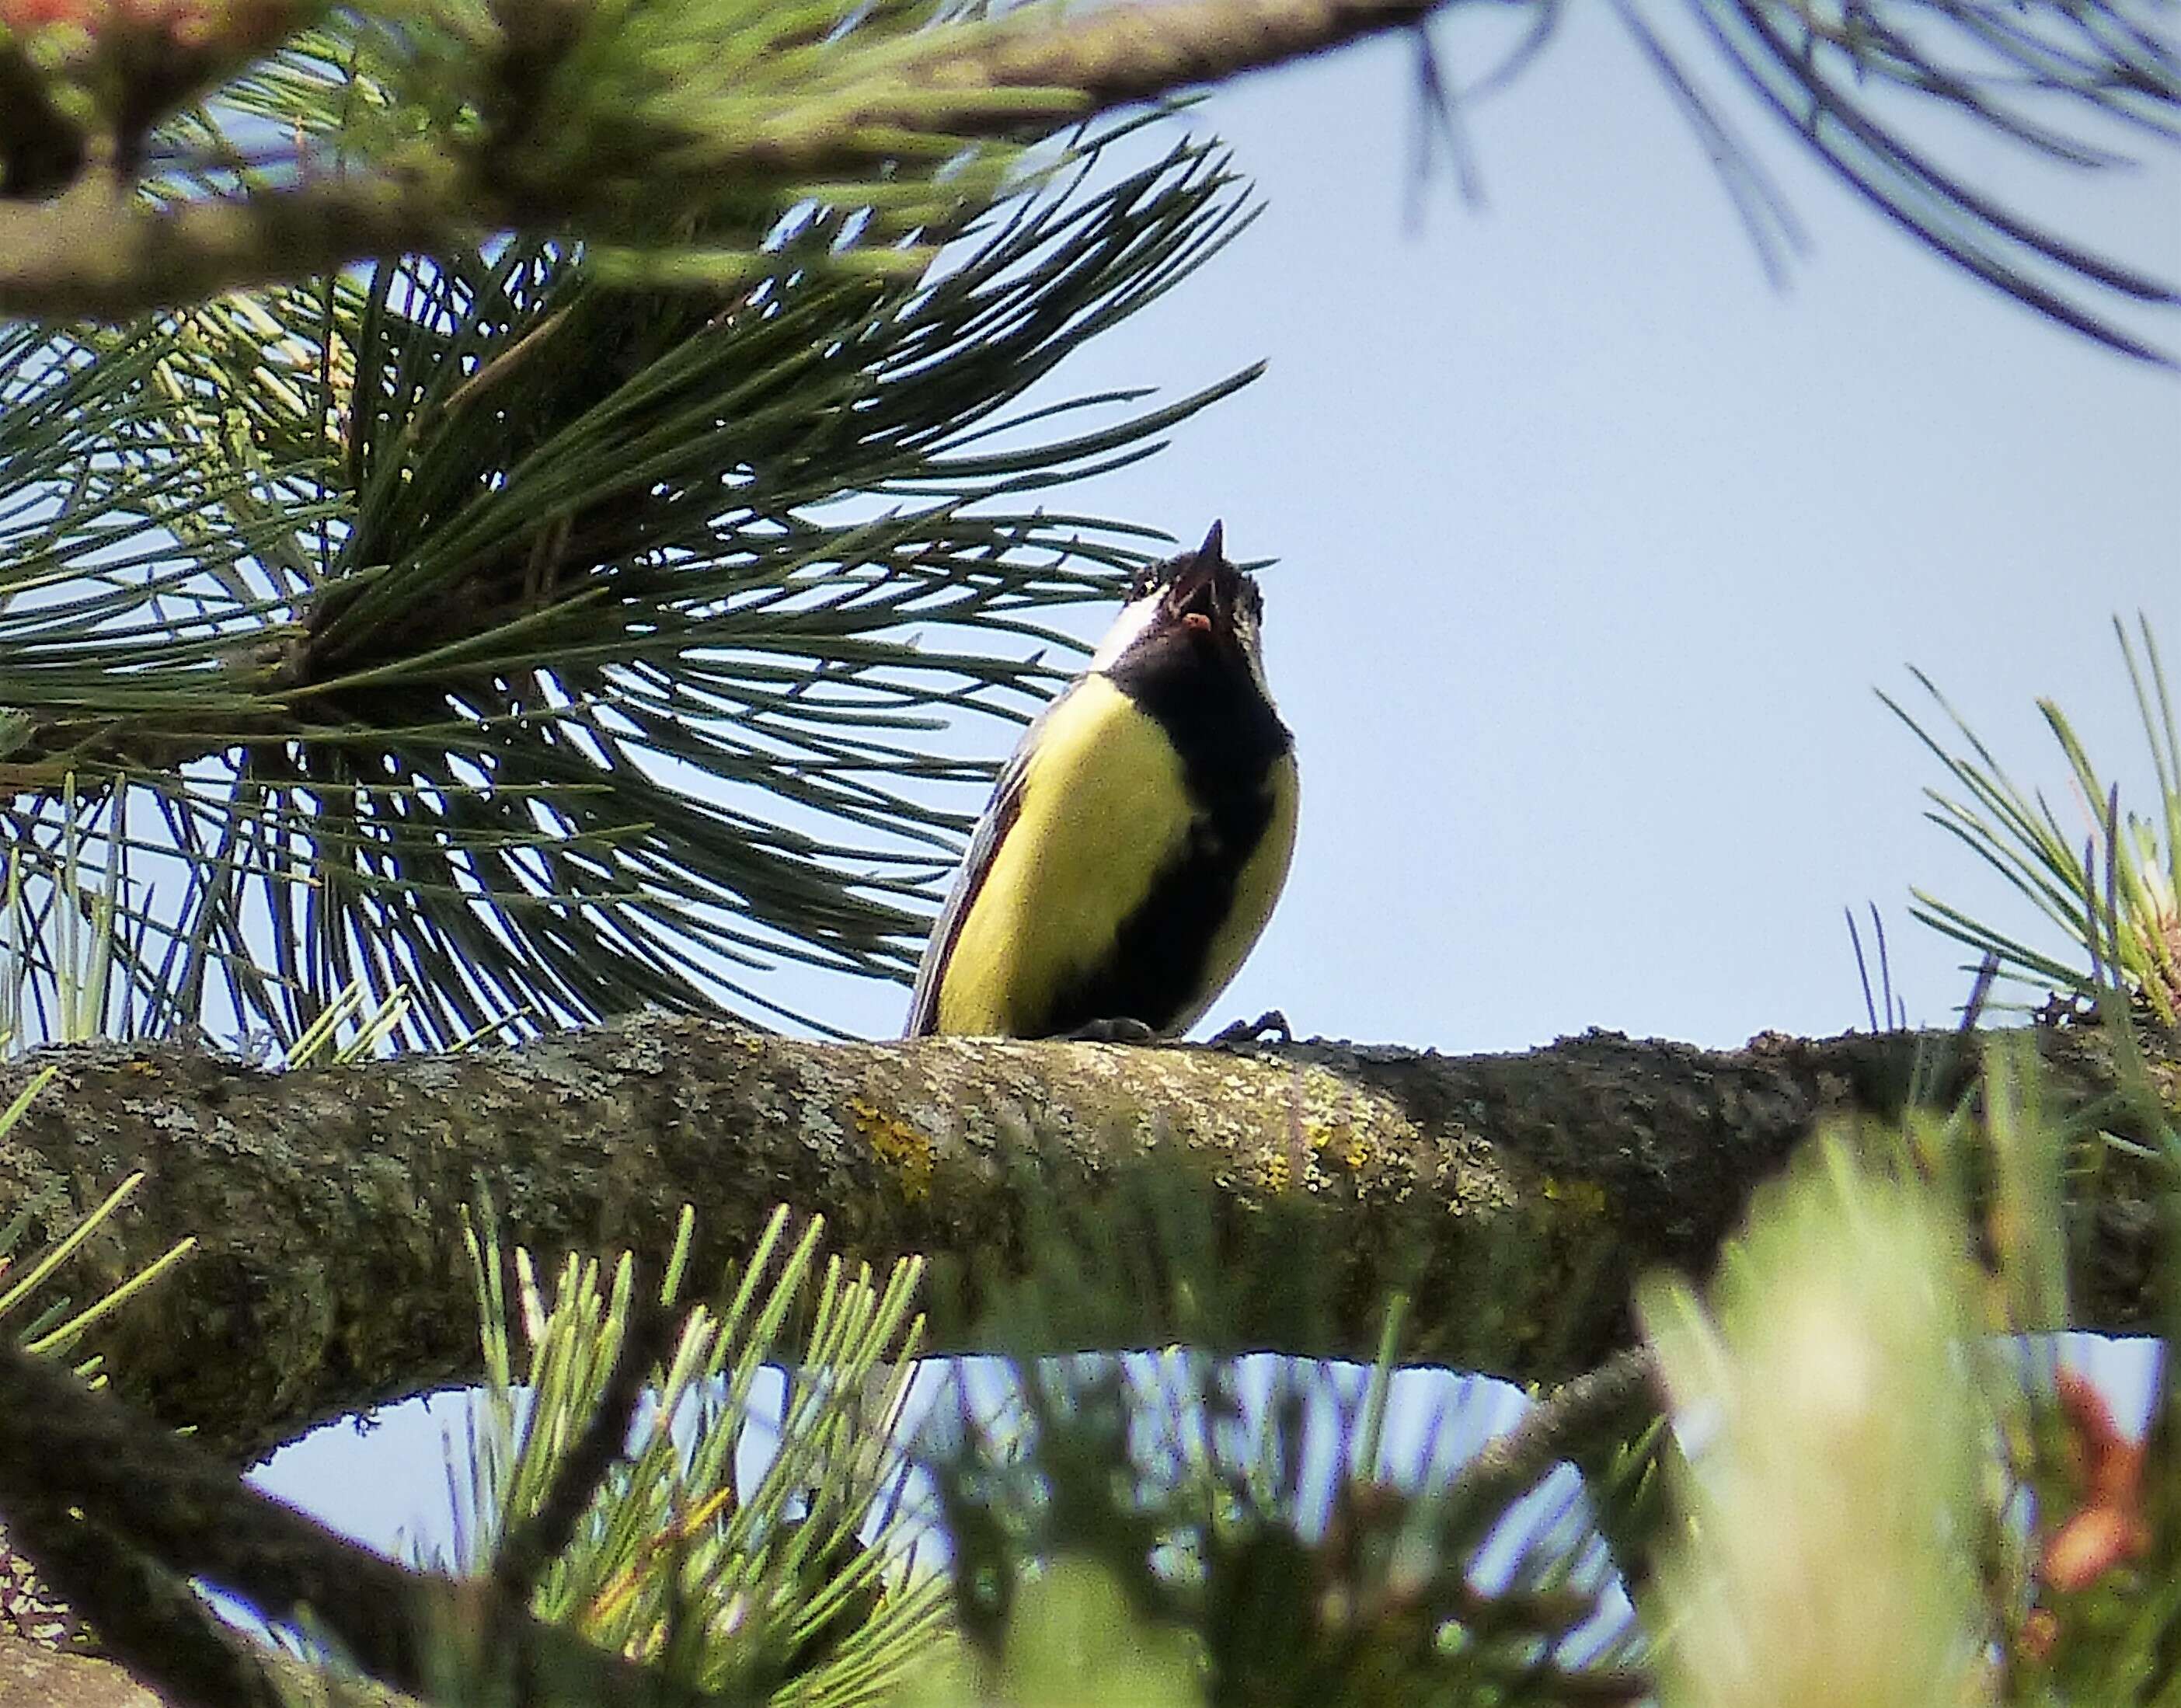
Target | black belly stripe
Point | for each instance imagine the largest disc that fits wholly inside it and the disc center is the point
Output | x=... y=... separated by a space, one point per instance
x=1229 y=737
x=1157 y=970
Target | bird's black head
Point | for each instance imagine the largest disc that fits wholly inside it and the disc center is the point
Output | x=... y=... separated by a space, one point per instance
x=1197 y=602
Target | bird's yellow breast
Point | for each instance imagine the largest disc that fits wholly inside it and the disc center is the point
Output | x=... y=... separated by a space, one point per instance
x=1104 y=808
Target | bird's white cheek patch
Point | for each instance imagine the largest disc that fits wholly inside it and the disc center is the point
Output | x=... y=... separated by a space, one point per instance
x=1126 y=628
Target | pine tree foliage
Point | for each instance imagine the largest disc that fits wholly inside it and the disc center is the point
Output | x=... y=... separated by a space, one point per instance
x=34 y=1312
x=791 y=1582
x=1893 y=1491
x=1889 y=1495
x=559 y=612
x=2082 y=86
x=1193 y=1526
x=555 y=616
x=544 y=646
x=2107 y=879
x=673 y=133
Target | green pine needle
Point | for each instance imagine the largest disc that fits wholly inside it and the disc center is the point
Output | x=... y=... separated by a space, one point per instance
x=736 y=1584
x=2107 y=879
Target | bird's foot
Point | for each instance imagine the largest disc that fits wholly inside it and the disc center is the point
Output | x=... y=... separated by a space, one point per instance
x=1271 y=1025
x=1114 y=1031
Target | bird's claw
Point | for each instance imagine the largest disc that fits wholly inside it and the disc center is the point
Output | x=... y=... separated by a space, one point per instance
x=1271 y=1025
x=1113 y=1031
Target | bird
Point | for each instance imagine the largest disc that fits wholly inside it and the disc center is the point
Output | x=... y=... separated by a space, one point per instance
x=1139 y=837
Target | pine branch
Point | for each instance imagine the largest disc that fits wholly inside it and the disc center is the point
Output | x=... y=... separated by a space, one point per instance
x=1515 y=1198
x=1597 y=1404
x=96 y=253
x=527 y=1550
x=62 y=1447
x=614 y=134
x=1137 y=53
x=149 y=1620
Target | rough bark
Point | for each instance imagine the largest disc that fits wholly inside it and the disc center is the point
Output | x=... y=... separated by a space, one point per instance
x=1515 y=1196
x=35 y=1677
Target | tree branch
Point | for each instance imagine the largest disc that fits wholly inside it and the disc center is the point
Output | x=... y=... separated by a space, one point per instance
x=62 y=1447
x=149 y=1621
x=1135 y=53
x=1516 y=1197
x=95 y=253
x=1600 y=1401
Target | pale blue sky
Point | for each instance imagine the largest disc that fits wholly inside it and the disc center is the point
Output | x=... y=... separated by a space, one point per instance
x=1593 y=549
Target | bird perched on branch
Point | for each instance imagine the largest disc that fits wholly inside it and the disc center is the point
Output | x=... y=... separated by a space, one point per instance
x=1138 y=838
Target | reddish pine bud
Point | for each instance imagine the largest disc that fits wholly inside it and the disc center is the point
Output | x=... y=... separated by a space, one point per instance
x=2108 y=1528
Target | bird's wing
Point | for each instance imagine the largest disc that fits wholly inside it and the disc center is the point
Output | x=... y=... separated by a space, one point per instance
x=984 y=842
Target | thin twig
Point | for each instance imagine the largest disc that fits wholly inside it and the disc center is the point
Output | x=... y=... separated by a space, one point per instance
x=1577 y=1411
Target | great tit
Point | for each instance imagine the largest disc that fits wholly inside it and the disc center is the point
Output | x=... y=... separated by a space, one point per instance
x=1140 y=835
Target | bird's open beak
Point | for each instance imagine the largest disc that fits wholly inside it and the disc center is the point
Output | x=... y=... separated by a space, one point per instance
x=1199 y=596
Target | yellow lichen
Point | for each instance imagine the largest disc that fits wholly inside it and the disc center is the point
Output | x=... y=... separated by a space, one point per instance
x=1353 y=1144
x=898 y=1144
x=1585 y=1197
